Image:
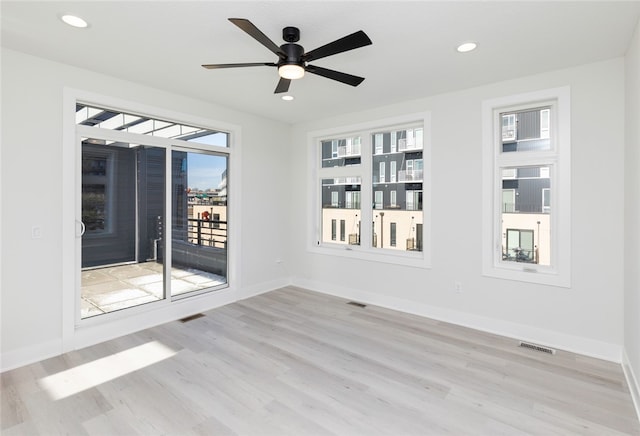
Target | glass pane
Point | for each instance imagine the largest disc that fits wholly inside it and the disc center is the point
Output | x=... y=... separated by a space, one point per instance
x=199 y=216
x=526 y=219
x=341 y=204
x=527 y=130
x=116 y=120
x=398 y=172
x=123 y=201
x=341 y=152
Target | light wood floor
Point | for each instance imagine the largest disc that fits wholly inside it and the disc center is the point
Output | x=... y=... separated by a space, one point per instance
x=294 y=362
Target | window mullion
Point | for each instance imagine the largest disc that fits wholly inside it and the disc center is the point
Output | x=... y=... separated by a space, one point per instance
x=367 y=190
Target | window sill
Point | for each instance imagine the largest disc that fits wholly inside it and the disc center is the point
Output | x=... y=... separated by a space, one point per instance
x=414 y=259
x=529 y=273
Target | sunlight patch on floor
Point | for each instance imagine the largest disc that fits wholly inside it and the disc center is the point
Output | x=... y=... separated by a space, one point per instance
x=92 y=374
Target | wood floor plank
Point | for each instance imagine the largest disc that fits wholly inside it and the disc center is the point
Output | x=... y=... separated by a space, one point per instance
x=294 y=362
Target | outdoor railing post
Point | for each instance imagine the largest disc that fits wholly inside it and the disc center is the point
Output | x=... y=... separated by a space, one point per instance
x=199 y=230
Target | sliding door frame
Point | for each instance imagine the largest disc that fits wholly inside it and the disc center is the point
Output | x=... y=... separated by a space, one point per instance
x=79 y=332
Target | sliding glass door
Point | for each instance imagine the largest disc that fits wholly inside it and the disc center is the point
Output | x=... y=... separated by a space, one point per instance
x=152 y=210
x=122 y=210
x=199 y=221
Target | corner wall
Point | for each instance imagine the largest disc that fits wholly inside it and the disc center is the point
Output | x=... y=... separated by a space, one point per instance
x=631 y=357
x=585 y=318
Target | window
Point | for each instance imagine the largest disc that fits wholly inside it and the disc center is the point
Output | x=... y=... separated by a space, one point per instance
x=508 y=127
x=526 y=168
x=519 y=246
x=97 y=184
x=544 y=123
x=341 y=152
x=378 y=199
x=546 y=200
x=352 y=199
x=378 y=140
x=390 y=174
x=333 y=229
x=508 y=200
x=393 y=229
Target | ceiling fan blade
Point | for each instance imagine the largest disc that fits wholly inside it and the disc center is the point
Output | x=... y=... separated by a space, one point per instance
x=349 y=42
x=253 y=64
x=335 y=75
x=283 y=85
x=256 y=34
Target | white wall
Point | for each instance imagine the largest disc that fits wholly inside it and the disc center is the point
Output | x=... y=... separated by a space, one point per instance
x=32 y=181
x=632 y=219
x=585 y=318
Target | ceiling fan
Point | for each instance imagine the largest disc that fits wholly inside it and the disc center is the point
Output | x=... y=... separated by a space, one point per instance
x=292 y=59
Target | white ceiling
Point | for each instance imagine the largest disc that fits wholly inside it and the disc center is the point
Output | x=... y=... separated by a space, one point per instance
x=163 y=44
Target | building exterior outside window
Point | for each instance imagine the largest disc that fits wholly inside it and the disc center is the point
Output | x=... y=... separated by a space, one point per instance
x=396 y=185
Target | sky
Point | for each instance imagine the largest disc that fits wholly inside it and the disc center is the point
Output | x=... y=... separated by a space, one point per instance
x=204 y=171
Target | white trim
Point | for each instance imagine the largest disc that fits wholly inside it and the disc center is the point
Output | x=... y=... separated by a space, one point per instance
x=632 y=380
x=131 y=321
x=558 y=159
x=131 y=324
x=365 y=251
x=262 y=288
x=558 y=340
x=96 y=329
x=31 y=354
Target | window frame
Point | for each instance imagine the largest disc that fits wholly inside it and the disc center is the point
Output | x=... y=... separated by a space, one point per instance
x=367 y=131
x=557 y=158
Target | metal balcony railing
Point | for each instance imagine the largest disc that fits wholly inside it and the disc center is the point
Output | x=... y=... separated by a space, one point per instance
x=402 y=145
x=410 y=176
x=210 y=233
x=520 y=255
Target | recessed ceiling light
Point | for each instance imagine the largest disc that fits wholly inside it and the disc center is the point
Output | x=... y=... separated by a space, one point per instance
x=466 y=47
x=74 y=21
x=287 y=97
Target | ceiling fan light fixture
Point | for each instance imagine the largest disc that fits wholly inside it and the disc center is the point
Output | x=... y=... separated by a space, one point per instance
x=291 y=71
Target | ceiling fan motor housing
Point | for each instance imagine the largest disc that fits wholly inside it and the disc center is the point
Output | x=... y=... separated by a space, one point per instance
x=293 y=55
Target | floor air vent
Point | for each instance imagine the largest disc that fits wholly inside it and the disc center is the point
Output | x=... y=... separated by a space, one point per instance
x=192 y=317
x=537 y=348
x=354 y=303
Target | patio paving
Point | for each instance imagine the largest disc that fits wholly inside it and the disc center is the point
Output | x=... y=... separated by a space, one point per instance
x=119 y=287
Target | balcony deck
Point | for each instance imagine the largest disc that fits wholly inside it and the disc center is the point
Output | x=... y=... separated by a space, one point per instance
x=118 y=287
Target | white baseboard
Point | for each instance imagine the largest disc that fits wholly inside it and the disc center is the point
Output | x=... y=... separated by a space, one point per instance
x=261 y=288
x=27 y=355
x=632 y=380
x=561 y=341
x=103 y=330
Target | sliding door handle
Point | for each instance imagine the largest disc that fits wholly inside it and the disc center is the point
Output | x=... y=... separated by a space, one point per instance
x=83 y=228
